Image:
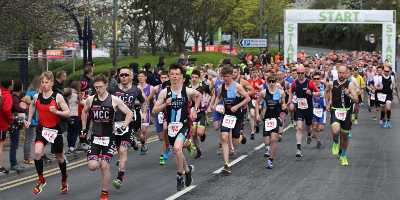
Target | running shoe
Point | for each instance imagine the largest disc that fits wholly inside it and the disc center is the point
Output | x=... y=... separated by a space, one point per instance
x=335 y=148
x=39 y=186
x=166 y=154
x=356 y=121
x=270 y=164
x=362 y=104
x=16 y=168
x=64 y=184
x=298 y=153
x=46 y=159
x=248 y=117
x=134 y=144
x=388 y=124
x=384 y=123
x=312 y=135
x=266 y=154
x=117 y=163
x=350 y=135
x=180 y=183
x=226 y=169
x=380 y=122
x=292 y=124
x=369 y=109
x=189 y=178
x=203 y=138
x=319 y=145
x=69 y=151
x=117 y=183
x=162 y=162
x=104 y=195
x=191 y=148
x=353 y=117
x=144 y=149
x=309 y=139
x=374 y=118
x=198 y=156
x=219 y=152
x=280 y=138
x=244 y=139
x=257 y=128
x=3 y=170
x=208 y=121
x=252 y=136
x=344 y=160
x=231 y=151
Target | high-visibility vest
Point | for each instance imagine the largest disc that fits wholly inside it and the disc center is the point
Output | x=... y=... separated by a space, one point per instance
x=189 y=70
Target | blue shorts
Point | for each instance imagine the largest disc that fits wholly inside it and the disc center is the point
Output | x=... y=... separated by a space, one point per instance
x=235 y=130
x=321 y=120
x=217 y=116
x=159 y=127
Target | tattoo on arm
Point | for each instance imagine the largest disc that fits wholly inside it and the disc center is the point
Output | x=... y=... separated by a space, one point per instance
x=144 y=106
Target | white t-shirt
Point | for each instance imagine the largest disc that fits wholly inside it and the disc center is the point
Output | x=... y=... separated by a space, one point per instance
x=335 y=75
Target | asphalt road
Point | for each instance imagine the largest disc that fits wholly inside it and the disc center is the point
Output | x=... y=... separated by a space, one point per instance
x=373 y=171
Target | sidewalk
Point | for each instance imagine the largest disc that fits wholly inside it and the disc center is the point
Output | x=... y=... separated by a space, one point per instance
x=28 y=167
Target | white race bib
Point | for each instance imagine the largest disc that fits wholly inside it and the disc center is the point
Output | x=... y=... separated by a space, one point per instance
x=220 y=108
x=341 y=114
x=160 y=117
x=294 y=99
x=103 y=141
x=118 y=124
x=49 y=134
x=253 y=101
x=318 y=112
x=373 y=97
x=270 y=124
x=229 y=121
x=174 y=128
x=381 y=97
x=302 y=103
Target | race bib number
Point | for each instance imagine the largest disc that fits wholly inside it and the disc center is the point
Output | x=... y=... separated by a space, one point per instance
x=318 y=112
x=161 y=118
x=49 y=134
x=373 y=97
x=253 y=101
x=220 y=109
x=270 y=124
x=381 y=97
x=341 y=114
x=103 y=141
x=294 y=99
x=229 y=121
x=118 y=124
x=302 y=103
x=174 y=128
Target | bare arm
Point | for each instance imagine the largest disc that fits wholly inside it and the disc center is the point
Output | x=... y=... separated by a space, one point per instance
x=32 y=108
x=259 y=99
x=353 y=92
x=160 y=105
x=246 y=85
x=219 y=98
x=64 y=107
x=85 y=110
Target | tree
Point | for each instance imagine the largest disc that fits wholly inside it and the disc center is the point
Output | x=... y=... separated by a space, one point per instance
x=273 y=13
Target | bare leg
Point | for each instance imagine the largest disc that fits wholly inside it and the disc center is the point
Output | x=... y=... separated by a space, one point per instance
x=105 y=172
x=224 y=145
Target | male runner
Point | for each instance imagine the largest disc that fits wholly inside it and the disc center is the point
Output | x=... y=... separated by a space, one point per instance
x=379 y=71
x=48 y=104
x=255 y=82
x=361 y=84
x=319 y=110
x=142 y=76
x=343 y=92
x=386 y=87
x=174 y=100
x=127 y=93
x=275 y=102
x=369 y=77
x=292 y=107
x=286 y=87
x=303 y=88
x=230 y=92
x=102 y=108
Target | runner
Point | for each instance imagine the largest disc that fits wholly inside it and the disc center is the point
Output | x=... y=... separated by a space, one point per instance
x=174 y=100
x=342 y=92
x=49 y=104
x=275 y=99
x=369 y=76
x=319 y=111
x=160 y=120
x=385 y=85
x=286 y=87
x=142 y=76
x=292 y=107
x=377 y=105
x=361 y=84
x=230 y=92
x=127 y=93
x=303 y=88
x=103 y=107
x=255 y=82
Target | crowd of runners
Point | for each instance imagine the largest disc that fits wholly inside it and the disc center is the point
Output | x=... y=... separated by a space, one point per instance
x=113 y=113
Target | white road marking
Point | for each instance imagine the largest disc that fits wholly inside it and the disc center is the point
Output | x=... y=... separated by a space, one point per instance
x=231 y=163
x=180 y=193
x=259 y=147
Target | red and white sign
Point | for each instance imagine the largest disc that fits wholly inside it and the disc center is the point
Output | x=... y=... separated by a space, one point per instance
x=55 y=53
x=225 y=49
x=372 y=40
x=210 y=48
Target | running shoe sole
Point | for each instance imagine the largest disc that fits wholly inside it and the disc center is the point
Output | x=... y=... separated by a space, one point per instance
x=116 y=185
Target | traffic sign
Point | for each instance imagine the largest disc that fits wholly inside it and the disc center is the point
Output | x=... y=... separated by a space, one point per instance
x=120 y=43
x=250 y=42
x=278 y=39
x=372 y=39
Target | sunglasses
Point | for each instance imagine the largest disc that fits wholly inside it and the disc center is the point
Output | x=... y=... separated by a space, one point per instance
x=124 y=74
x=98 y=87
x=300 y=72
x=387 y=71
x=272 y=81
x=316 y=78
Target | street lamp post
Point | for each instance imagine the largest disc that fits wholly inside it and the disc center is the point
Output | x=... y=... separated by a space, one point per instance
x=115 y=36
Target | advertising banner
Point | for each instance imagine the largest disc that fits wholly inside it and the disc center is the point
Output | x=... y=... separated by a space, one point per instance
x=290 y=45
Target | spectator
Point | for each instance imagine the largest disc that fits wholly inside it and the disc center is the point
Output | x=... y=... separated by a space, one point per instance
x=33 y=89
x=14 y=137
x=87 y=77
x=182 y=58
x=249 y=56
x=151 y=79
x=160 y=65
x=241 y=55
x=135 y=68
x=6 y=116
x=74 y=96
x=58 y=87
x=83 y=142
x=255 y=60
x=111 y=81
x=277 y=56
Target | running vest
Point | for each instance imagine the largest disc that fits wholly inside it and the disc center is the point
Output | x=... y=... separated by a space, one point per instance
x=387 y=85
x=217 y=84
x=177 y=110
x=272 y=104
x=204 y=89
x=48 y=119
x=319 y=102
x=159 y=91
x=102 y=113
x=339 y=98
x=230 y=100
x=128 y=98
x=300 y=90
